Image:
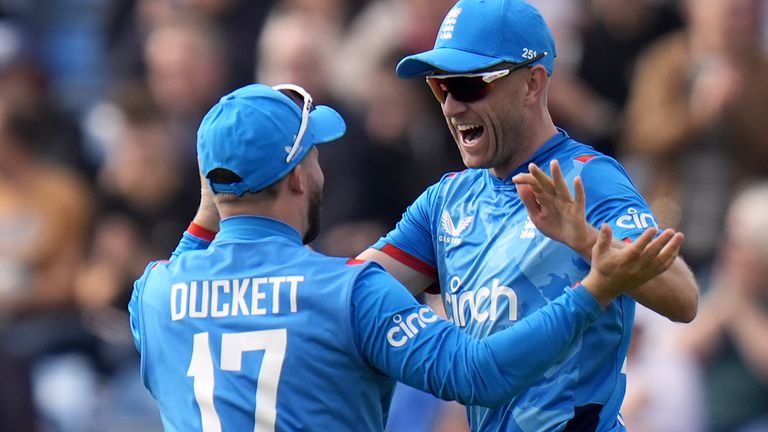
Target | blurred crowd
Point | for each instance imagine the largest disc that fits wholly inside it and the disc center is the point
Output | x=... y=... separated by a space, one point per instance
x=99 y=105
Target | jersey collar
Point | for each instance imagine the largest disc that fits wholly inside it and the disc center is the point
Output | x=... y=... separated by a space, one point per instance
x=251 y=228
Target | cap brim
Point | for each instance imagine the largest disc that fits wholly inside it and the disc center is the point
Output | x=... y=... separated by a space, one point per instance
x=326 y=124
x=445 y=59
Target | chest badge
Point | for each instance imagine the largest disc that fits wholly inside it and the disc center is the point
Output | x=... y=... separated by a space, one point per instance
x=453 y=232
x=529 y=230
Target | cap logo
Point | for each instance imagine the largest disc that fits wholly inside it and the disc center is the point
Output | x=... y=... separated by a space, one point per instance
x=446 y=29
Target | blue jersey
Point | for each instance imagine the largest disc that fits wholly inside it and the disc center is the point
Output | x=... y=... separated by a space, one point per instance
x=494 y=268
x=258 y=333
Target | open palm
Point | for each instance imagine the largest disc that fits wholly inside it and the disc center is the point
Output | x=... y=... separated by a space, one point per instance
x=552 y=208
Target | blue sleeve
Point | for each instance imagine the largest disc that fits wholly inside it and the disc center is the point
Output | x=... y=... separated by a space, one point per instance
x=408 y=342
x=413 y=234
x=189 y=242
x=613 y=199
x=134 y=306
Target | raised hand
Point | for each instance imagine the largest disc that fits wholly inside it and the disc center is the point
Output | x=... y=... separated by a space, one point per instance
x=620 y=269
x=552 y=209
x=207 y=214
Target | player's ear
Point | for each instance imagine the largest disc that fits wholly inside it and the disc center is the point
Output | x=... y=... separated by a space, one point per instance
x=537 y=83
x=296 y=180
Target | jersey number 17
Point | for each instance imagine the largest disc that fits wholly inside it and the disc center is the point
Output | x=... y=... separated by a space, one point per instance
x=233 y=345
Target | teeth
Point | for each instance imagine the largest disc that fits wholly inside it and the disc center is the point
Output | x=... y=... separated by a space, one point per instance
x=464 y=128
x=469 y=132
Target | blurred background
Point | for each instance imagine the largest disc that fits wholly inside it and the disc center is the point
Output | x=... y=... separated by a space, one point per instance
x=99 y=106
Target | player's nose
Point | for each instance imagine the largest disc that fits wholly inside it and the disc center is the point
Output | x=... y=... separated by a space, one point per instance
x=452 y=106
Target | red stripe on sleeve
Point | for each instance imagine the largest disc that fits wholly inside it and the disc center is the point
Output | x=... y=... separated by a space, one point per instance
x=584 y=158
x=409 y=260
x=353 y=261
x=201 y=233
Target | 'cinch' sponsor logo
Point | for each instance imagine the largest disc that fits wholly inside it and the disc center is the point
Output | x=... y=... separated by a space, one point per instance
x=407 y=328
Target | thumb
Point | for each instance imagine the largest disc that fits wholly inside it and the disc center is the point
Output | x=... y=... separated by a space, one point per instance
x=604 y=239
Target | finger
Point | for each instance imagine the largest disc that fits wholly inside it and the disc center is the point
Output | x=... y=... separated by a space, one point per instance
x=672 y=249
x=668 y=262
x=655 y=246
x=638 y=246
x=561 y=187
x=580 y=195
x=668 y=256
x=528 y=180
x=544 y=180
x=604 y=238
x=529 y=200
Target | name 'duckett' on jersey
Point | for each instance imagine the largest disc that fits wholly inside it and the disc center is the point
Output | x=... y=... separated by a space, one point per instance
x=221 y=298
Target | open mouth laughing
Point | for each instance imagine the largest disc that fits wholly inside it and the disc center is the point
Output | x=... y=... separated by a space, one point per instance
x=470 y=134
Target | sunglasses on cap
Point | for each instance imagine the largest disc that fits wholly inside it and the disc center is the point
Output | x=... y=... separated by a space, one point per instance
x=470 y=87
x=304 y=100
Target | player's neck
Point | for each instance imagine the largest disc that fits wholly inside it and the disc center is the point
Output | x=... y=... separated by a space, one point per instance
x=532 y=140
x=282 y=210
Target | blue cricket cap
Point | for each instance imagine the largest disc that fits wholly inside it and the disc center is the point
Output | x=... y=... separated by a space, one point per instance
x=477 y=34
x=251 y=131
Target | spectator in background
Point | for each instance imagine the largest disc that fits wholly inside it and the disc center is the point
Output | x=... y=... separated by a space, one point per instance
x=238 y=21
x=68 y=35
x=695 y=122
x=288 y=52
x=664 y=381
x=729 y=336
x=187 y=69
x=141 y=187
x=589 y=93
x=45 y=212
x=335 y=11
x=127 y=25
x=381 y=28
x=25 y=84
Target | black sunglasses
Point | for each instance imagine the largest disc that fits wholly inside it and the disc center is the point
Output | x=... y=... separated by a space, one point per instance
x=470 y=87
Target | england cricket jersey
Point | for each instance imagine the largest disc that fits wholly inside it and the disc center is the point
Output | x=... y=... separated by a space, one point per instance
x=258 y=333
x=494 y=268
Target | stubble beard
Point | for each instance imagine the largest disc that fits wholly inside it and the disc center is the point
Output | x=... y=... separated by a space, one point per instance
x=313 y=215
x=509 y=152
